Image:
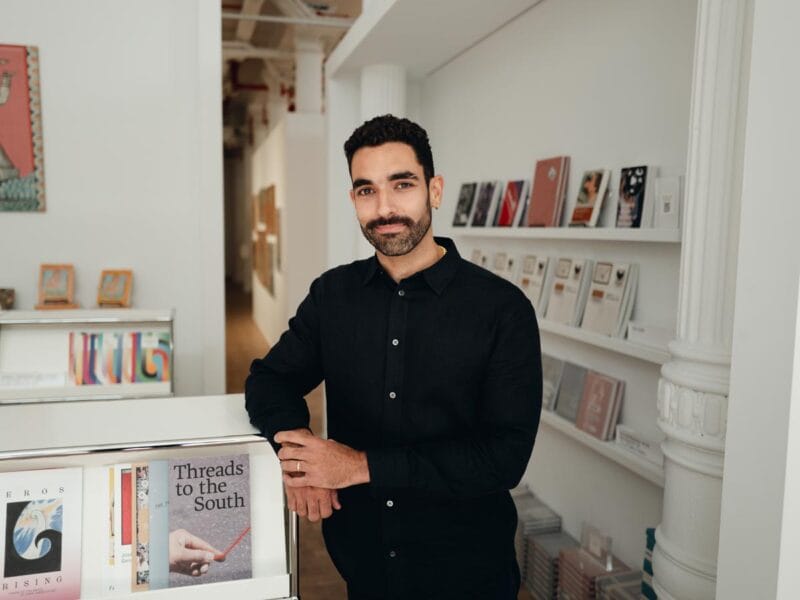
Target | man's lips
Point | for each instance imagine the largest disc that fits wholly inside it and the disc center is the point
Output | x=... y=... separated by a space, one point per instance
x=393 y=228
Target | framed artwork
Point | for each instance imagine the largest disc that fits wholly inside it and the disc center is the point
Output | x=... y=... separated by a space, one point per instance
x=115 y=287
x=21 y=147
x=56 y=286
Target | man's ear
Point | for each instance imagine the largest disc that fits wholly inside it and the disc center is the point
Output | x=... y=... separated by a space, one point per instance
x=435 y=188
x=352 y=197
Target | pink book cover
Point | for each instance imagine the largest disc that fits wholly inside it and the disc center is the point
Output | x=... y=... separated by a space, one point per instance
x=597 y=404
x=547 y=196
x=511 y=199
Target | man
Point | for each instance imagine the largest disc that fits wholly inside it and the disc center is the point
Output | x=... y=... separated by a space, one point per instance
x=432 y=371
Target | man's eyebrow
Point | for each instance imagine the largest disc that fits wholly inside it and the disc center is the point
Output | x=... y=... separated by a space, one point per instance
x=359 y=182
x=402 y=175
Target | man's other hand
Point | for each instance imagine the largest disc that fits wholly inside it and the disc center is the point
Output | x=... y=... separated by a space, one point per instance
x=312 y=502
x=307 y=460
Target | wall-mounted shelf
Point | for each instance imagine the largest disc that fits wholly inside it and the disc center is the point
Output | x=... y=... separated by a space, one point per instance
x=593 y=234
x=645 y=353
x=610 y=450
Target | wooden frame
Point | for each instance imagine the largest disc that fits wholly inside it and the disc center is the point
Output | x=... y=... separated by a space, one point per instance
x=56 y=286
x=115 y=287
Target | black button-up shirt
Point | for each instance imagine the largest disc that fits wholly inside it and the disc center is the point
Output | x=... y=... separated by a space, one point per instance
x=438 y=379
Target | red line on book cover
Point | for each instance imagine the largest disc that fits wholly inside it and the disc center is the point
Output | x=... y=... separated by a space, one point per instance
x=127 y=513
x=223 y=555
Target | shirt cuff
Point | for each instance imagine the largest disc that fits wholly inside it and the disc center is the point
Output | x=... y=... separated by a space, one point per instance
x=388 y=468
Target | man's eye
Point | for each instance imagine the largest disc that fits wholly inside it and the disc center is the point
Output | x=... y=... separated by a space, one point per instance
x=404 y=184
x=364 y=191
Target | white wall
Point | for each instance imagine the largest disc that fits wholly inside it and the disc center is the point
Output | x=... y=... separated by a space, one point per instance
x=608 y=84
x=759 y=528
x=133 y=163
x=292 y=157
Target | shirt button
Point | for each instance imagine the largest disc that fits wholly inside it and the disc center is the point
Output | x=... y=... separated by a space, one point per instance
x=392 y=554
x=389 y=503
x=392 y=395
x=395 y=342
x=401 y=293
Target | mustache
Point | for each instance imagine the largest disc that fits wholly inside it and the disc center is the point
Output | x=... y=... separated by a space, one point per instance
x=390 y=221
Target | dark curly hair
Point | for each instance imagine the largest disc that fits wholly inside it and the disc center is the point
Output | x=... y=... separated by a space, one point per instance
x=388 y=128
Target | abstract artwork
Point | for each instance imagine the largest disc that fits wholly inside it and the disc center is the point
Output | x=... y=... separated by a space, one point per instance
x=21 y=147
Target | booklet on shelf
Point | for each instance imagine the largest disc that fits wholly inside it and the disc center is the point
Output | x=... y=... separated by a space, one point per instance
x=40 y=517
x=504 y=265
x=600 y=405
x=591 y=194
x=479 y=258
x=548 y=191
x=532 y=279
x=552 y=368
x=570 y=392
x=610 y=299
x=486 y=204
x=466 y=200
x=568 y=290
x=635 y=200
x=667 y=209
x=103 y=358
x=513 y=200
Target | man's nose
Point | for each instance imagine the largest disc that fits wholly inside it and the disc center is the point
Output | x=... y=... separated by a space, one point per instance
x=386 y=205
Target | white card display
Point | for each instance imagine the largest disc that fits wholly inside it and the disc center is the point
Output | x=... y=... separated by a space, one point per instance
x=610 y=298
x=504 y=265
x=568 y=291
x=478 y=257
x=668 y=203
x=532 y=279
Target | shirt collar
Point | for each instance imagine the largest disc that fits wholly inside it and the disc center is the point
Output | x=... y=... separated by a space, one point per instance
x=437 y=275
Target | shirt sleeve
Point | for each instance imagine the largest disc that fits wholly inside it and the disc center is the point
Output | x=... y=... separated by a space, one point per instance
x=496 y=457
x=277 y=385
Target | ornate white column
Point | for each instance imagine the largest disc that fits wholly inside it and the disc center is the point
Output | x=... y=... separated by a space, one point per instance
x=693 y=391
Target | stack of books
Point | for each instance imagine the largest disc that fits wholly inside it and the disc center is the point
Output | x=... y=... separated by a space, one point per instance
x=619 y=586
x=542 y=568
x=578 y=572
x=647 y=579
x=535 y=518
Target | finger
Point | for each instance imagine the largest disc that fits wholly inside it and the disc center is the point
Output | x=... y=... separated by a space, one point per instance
x=335 y=500
x=197 y=556
x=313 y=510
x=204 y=568
x=296 y=482
x=302 y=508
x=291 y=466
x=192 y=541
x=302 y=438
x=325 y=509
x=294 y=453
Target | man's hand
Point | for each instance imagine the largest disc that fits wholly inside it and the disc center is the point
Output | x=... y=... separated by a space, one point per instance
x=188 y=554
x=320 y=463
x=314 y=503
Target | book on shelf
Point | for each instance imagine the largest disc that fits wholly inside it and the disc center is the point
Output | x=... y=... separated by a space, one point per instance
x=464 y=206
x=600 y=405
x=104 y=358
x=40 y=517
x=552 y=369
x=548 y=191
x=570 y=391
x=609 y=302
x=635 y=199
x=591 y=194
x=667 y=205
x=532 y=280
x=479 y=258
x=504 y=265
x=524 y=205
x=568 y=289
x=513 y=200
x=486 y=204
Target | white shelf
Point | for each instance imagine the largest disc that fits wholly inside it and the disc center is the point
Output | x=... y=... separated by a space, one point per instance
x=610 y=450
x=70 y=393
x=597 y=234
x=84 y=315
x=645 y=353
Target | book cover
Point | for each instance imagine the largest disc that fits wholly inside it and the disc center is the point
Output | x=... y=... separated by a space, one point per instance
x=503 y=265
x=140 y=544
x=552 y=369
x=667 y=192
x=597 y=404
x=524 y=204
x=631 y=202
x=547 y=195
x=466 y=199
x=479 y=257
x=606 y=301
x=594 y=185
x=40 y=517
x=532 y=278
x=150 y=355
x=209 y=508
x=511 y=202
x=568 y=291
x=158 y=496
x=483 y=205
x=570 y=391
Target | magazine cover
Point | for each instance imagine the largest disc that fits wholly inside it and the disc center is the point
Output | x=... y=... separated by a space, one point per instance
x=483 y=205
x=466 y=198
x=590 y=198
x=511 y=200
x=40 y=517
x=632 y=185
x=209 y=520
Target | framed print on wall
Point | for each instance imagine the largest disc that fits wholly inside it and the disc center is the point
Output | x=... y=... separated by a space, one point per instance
x=56 y=286
x=21 y=146
x=115 y=288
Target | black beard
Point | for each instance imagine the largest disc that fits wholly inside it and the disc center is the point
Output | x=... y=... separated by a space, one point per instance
x=398 y=244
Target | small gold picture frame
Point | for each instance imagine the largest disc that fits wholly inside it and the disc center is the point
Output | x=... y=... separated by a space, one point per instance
x=115 y=287
x=56 y=287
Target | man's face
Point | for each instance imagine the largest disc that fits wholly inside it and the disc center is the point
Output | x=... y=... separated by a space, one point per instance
x=392 y=201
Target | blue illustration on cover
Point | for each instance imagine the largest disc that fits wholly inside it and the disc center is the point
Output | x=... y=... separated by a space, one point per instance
x=33 y=537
